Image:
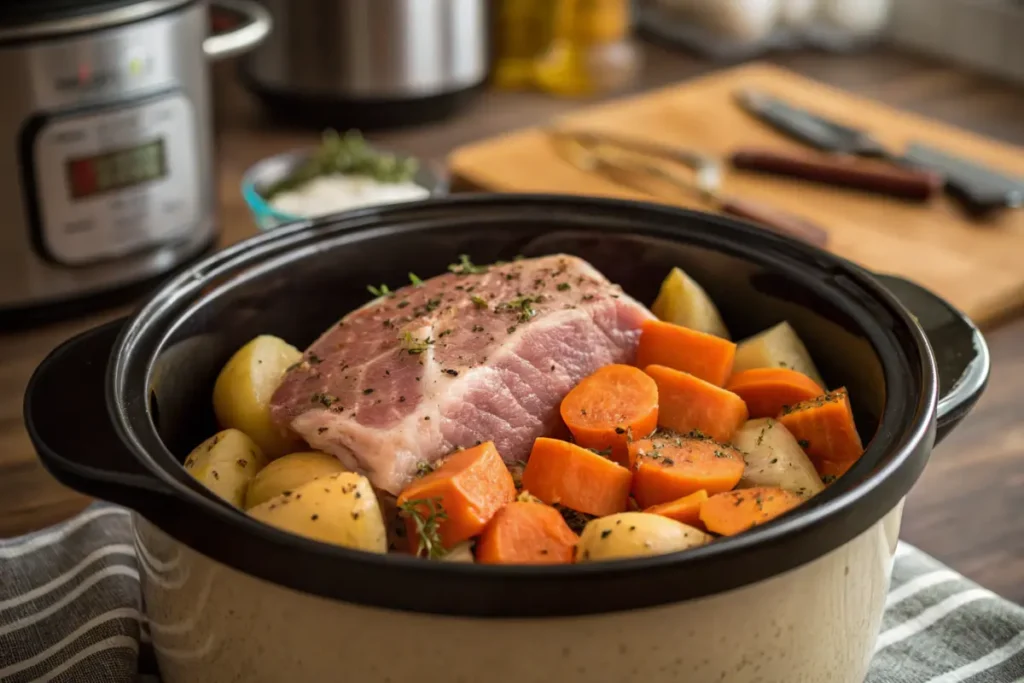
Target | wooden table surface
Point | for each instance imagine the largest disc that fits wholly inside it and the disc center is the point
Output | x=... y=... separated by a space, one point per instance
x=966 y=508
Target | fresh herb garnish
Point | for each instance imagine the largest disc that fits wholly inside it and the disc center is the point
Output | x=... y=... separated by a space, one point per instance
x=413 y=345
x=347 y=154
x=478 y=301
x=378 y=291
x=522 y=306
x=423 y=468
x=427 y=525
x=564 y=287
x=466 y=267
x=415 y=279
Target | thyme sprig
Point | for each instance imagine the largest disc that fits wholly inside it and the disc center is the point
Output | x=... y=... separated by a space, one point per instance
x=427 y=525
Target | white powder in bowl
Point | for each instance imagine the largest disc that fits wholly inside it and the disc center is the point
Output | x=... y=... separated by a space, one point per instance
x=332 y=193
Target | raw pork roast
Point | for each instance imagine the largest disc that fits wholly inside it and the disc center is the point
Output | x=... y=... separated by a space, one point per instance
x=479 y=354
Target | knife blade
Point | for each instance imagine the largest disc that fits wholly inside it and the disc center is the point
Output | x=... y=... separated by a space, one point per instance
x=979 y=190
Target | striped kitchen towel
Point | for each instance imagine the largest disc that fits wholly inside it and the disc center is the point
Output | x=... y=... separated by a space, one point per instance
x=70 y=611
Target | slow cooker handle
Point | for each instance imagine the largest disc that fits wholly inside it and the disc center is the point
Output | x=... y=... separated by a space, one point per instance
x=66 y=417
x=961 y=354
x=249 y=34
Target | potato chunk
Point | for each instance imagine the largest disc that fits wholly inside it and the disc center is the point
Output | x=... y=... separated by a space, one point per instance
x=635 y=534
x=776 y=347
x=241 y=395
x=288 y=473
x=339 y=508
x=682 y=301
x=775 y=459
x=225 y=463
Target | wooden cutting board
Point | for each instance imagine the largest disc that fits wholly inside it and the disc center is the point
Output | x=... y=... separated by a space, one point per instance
x=979 y=267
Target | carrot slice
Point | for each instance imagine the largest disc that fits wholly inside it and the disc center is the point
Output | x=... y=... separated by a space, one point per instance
x=667 y=468
x=468 y=488
x=734 y=512
x=824 y=427
x=702 y=355
x=685 y=510
x=688 y=403
x=830 y=471
x=607 y=407
x=767 y=391
x=562 y=473
x=526 y=533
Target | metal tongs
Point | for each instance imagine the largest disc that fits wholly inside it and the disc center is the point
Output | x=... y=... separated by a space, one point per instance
x=625 y=160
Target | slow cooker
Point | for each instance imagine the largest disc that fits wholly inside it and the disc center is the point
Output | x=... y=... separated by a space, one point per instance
x=106 y=151
x=113 y=413
x=370 y=64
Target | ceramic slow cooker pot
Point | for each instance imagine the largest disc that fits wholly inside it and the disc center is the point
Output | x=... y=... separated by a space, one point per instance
x=114 y=411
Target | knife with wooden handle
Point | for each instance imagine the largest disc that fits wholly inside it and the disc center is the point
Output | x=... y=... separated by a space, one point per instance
x=892 y=181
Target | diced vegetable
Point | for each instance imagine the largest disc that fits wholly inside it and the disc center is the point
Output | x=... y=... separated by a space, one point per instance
x=682 y=301
x=824 y=427
x=635 y=534
x=527 y=533
x=830 y=471
x=225 y=463
x=702 y=355
x=457 y=500
x=338 y=508
x=609 y=406
x=774 y=458
x=734 y=512
x=738 y=511
x=685 y=510
x=290 y=472
x=666 y=469
x=687 y=403
x=767 y=391
x=244 y=387
x=569 y=475
x=776 y=347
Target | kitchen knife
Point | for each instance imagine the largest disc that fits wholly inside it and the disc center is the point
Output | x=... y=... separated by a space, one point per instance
x=979 y=190
x=904 y=183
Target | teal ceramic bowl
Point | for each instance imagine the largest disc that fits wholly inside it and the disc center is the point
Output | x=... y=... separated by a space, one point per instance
x=269 y=171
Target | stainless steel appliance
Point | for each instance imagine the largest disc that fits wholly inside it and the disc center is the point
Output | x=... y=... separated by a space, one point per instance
x=370 y=63
x=105 y=143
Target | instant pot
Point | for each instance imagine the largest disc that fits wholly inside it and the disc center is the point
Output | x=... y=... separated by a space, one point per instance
x=370 y=63
x=106 y=143
x=114 y=412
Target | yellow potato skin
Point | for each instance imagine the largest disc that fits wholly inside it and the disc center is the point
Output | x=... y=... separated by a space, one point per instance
x=635 y=534
x=225 y=463
x=241 y=395
x=339 y=508
x=288 y=473
x=681 y=301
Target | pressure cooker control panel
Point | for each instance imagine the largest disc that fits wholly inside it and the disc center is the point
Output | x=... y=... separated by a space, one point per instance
x=113 y=181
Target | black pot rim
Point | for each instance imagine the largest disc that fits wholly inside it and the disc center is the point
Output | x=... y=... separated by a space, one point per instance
x=846 y=509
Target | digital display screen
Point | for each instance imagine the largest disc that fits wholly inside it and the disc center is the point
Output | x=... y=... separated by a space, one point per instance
x=116 y=170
